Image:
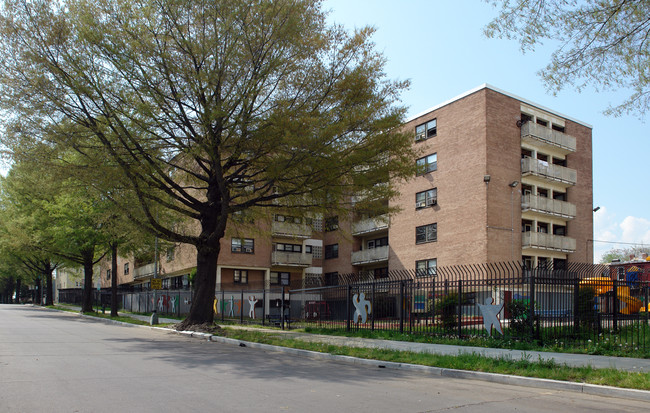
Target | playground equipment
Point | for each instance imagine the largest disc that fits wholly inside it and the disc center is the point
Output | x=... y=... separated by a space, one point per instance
x=603 y=285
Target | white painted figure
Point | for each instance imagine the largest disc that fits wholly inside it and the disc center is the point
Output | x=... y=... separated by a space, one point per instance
x=251 y=302
x=363 y=307
x=491 y=315
x=173 y=300
x=161 y=304
x=232 y=306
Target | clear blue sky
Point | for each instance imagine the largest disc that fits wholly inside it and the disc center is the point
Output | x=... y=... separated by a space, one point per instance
x=440 y=47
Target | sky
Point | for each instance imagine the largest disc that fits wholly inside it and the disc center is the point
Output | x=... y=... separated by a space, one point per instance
x=440 y=47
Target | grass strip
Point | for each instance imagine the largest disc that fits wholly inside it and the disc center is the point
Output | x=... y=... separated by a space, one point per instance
x=471 y=362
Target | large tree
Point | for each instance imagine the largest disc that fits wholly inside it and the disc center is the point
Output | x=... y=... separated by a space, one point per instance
x=600 y=42
x=209 y=108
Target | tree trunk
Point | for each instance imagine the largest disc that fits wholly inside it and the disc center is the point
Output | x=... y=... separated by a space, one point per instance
x=49 y=296
x=87 y=301
x=17 y=290
x=114 y=280
x=205 y=282
x=37 y=299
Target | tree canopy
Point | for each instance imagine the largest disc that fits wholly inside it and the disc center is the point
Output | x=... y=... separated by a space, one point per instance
x=207 y=109
x=603 y=43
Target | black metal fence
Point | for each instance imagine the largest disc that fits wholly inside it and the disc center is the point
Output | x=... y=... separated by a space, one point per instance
x=579 y=303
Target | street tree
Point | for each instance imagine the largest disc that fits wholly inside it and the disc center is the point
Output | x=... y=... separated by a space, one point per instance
x=624 y=254
x=209 y=109
x=603 y=43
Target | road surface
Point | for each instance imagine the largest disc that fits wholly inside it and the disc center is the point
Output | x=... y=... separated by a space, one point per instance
x=60 y=362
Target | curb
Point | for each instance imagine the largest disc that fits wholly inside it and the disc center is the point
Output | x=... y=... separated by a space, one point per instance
x=592 y=389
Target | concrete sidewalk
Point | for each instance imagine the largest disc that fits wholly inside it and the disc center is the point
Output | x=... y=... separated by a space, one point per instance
x=572 y=360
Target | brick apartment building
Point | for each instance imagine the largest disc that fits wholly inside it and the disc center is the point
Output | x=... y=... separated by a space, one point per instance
x=501 y=179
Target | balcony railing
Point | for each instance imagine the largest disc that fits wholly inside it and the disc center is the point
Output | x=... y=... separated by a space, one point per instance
x=549 y=172
x=548 y=206
x=548 y=242
x=370 y=255
x=144 y=271
x=290 y=229
x=370 y=225
x=542 y=135
x=291 y=259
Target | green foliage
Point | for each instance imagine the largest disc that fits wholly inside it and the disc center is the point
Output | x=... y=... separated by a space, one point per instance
x=623 y=254
x=520 y=322
x=586 y=315
x=447 y=309
x=603 y=43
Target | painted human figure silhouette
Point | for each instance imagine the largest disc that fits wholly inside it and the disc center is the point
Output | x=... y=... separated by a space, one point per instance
x=161 y=304
x=363 y=307
x=232 y=306
x=251 y=302
x=173 y=301
x=490 y=315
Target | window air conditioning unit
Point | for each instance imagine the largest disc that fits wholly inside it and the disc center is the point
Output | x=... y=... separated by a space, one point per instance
x=431 y=202
x=248 y=249
x=420 y=204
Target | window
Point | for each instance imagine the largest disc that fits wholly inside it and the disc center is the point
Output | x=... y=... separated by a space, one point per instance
x=621 y=273
x=426 y=130
x=240 y=276
x=126 y=268
x=288 y=247
x=426 y=233
x=379 y=242
x=331 y=251
x=170 y=253
x=276 y=277
x=242 y=245
x=380 y=272
x=287 y=218
x=308 y=249
x=427 y=164
x=331 y=223
x=542 y=122
x=331 y=278
x=426 y=198
x=558 y=128
x=108 y=274
x=425 y=268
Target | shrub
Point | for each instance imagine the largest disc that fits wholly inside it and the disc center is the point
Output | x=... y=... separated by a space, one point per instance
x=520 y=322
x=446 y=308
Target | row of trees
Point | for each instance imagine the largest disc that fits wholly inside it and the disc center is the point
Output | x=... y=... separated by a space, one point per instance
x=171 y=117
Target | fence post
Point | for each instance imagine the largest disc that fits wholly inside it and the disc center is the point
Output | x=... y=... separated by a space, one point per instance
x=263 y=305
x=241 y=308
x=372 y=303
x=460 y=308
x=223 y=307
x=531 y=306
x=576 y=305
x=401 y=306
x=615 y=315
x=282 y=310
x=347 y=306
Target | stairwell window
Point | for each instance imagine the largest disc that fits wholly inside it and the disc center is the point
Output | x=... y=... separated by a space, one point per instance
x=427 y=164
x=331 y=251
x=426 y=233
x=426 y=199
x=426 y=130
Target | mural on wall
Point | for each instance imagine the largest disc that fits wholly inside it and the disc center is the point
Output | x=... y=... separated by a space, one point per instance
x=490 y=315
x=363 y=308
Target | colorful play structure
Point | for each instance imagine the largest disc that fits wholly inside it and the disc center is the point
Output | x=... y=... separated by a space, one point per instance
x=604 y=285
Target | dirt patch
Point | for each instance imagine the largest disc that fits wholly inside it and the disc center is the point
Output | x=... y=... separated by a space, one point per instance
x=210 y=328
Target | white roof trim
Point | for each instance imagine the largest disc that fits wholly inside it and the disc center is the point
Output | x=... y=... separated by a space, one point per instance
x=503 y=92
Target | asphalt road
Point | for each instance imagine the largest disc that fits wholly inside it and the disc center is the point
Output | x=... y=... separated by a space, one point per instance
x=60 y=362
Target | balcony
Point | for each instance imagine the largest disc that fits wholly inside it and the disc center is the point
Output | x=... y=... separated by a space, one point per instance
x=545 y=172
x=290 y=230
x=144 y=271
x=290 y=259
x=370 y=225
x=547 y=138
x=548 y=206
x=369 y=256
x=545 y=241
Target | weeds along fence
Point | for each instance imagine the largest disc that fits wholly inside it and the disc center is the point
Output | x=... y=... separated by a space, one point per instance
x=578 y=303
